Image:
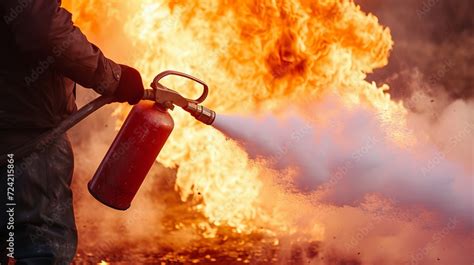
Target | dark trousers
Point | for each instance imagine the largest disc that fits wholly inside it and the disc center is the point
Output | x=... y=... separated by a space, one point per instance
x=43 y=217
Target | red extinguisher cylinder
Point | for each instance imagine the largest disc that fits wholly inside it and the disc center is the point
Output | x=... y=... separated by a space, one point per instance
x=131 y=155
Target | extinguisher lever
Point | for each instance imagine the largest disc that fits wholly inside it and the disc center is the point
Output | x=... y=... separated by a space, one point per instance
x=167 y=98
x=167 y=93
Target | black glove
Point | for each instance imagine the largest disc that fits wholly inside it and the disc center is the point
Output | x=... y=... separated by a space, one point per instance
x=130 y=88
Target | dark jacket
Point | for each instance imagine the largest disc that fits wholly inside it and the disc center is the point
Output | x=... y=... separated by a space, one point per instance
x=41 y=54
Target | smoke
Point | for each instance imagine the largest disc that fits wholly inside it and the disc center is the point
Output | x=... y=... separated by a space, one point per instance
x=349 y=157
x=433 y=44
x=345 y=154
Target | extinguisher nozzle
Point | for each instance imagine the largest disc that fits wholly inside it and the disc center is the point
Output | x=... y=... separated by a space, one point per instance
x=201 y=113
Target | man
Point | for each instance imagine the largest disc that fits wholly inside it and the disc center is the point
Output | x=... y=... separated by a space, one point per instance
x=42 y=54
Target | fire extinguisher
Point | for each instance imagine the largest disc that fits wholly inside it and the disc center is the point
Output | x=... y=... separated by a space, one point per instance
x=140 y=140
x=136 y=145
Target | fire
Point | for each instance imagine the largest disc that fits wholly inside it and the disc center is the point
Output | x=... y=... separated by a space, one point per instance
x=255 y=56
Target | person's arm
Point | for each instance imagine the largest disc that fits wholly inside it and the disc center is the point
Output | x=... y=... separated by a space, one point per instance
x=43 y=28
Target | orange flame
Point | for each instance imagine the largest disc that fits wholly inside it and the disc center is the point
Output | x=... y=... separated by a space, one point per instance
x=255 y=56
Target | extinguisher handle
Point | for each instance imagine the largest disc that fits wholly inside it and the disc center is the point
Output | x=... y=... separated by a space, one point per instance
x=167 y=98
x=156 y=84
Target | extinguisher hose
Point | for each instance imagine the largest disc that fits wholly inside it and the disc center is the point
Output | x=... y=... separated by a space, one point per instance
x=41 y=142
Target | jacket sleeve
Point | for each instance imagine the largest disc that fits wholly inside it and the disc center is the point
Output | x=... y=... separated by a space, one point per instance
x=42 y=28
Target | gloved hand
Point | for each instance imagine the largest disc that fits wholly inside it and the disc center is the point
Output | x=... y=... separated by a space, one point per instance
x=130 y=88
